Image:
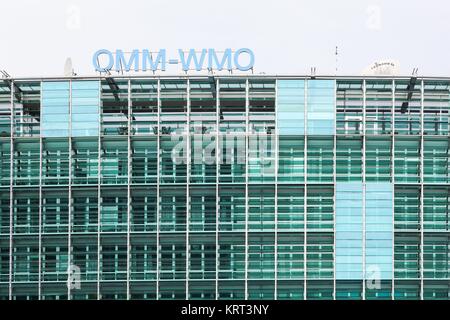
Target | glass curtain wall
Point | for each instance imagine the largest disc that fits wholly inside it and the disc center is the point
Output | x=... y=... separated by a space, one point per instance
x=224 y=188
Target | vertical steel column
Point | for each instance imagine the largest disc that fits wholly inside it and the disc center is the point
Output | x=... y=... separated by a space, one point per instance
x=393 y=189
x=305 y=191
x=158 y=168
x=188 y=176
x=364 y=195
x=421 y=192
x=129 y=190
x=247 y=137
x=69 y=227
x=276 y=193
x=99 y=181
x=11 y=201
x=40 y=217
x=334 y=188
x=217 y=185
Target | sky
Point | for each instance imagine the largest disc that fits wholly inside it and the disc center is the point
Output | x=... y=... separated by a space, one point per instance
x=286 y=36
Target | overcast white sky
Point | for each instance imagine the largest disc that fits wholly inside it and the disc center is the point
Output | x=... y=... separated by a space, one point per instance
x=287 y=36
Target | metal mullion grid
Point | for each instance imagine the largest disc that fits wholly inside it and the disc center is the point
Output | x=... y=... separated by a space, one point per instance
x=158 y=260
x=393 y=190
x=11 y=202
x=129 y=190
x=305 y=189
x=247 y=136
x=276 y=195
x=364 y=195
x=99 y=167
x=188 y=176
x=217 y=185
x=40 y=214
x=69 y=227
x=334 y=189
x=421 y=192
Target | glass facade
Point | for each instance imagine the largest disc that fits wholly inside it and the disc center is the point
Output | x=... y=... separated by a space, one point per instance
x=225 y=187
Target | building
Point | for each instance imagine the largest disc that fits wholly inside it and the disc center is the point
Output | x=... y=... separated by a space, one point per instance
x=331 y=187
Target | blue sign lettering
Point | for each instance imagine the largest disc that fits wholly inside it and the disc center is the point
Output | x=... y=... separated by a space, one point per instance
x=198 y=63
x=122 y=64
x=96 y=62
x=205 y=59
x=251 y=58
x=160 y=59
x=213 y=60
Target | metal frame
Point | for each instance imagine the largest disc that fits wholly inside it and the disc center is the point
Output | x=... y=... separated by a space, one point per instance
x=218 y=153
x=188 y=178
x=247 y=136
x=228 y=76
x=421 y=191
x=364 y=189
x=248 y=133
x=69 y=229
x=334 y=189
x=158 y=202
x=129 y=171
x=11 y=200
x=277 y=137
x=40 y=217
x=99 y=198
x=393 y=187
x=305 y=192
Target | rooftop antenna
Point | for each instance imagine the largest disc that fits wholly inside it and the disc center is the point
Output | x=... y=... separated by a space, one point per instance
x=68 y=68
x=337 y=56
